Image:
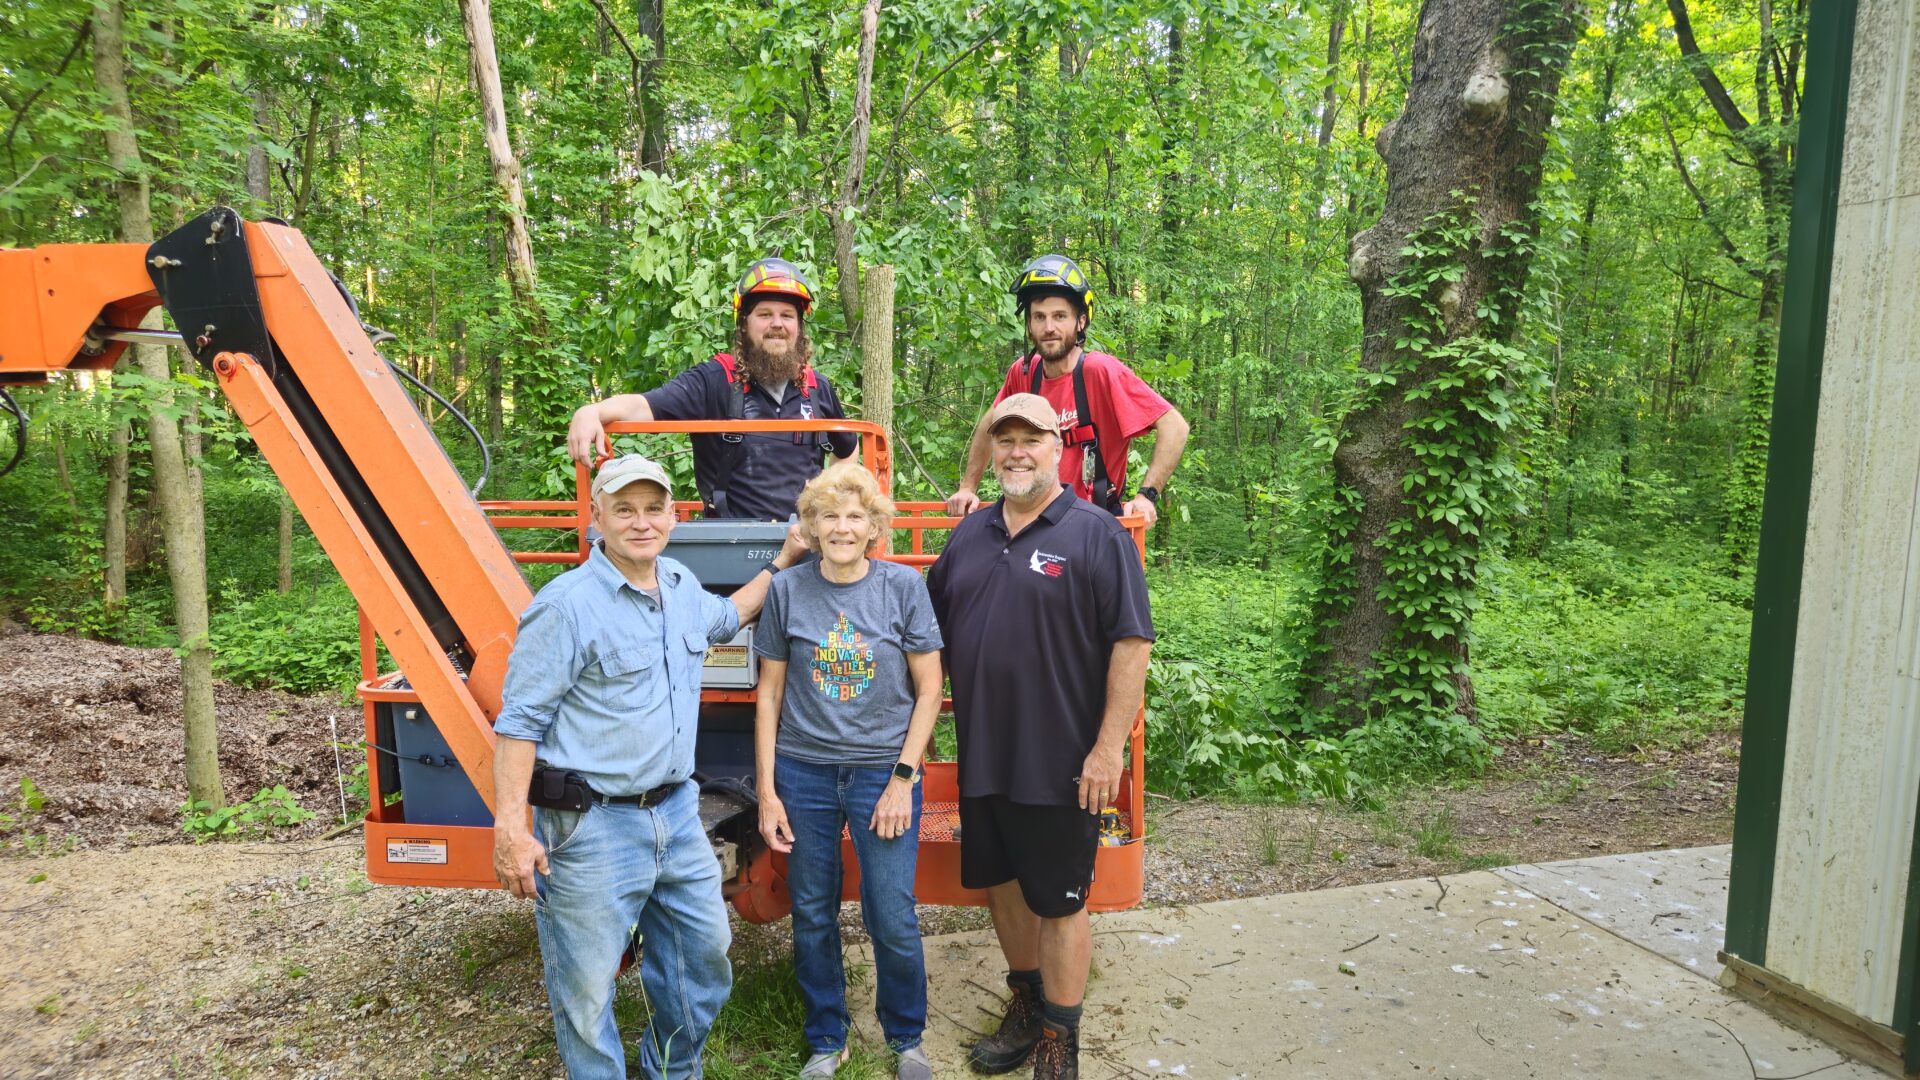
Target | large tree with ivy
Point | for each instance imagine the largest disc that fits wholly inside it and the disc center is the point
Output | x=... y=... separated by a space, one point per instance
x=1424 y=460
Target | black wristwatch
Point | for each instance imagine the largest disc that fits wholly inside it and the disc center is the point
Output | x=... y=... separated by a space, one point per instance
x=1150 y=494
x=904 y=771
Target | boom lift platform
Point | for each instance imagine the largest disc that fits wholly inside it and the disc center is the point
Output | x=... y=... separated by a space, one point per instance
x=423 y=558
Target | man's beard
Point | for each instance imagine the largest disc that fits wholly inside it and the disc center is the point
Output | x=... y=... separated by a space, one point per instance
x=1020 y=492
x=770 y=369
x=1055 y=352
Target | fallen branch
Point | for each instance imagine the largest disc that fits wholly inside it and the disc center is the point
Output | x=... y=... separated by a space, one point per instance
x=342 y=830
x=1443 y=891
x=1369 y=941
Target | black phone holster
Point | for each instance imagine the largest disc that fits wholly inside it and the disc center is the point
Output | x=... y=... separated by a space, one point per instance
x=559 y=789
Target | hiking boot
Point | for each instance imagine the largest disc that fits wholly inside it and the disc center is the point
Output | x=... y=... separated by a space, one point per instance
x=1057 y=1056
x=1006 y=1049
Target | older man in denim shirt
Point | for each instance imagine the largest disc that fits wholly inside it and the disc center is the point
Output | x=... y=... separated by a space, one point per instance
x=604 y=681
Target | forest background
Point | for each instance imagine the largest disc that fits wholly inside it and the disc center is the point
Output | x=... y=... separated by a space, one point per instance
x=1207 y=163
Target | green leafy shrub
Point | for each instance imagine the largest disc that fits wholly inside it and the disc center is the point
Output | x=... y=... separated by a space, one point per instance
x=269 y=809
x=305 y=641
x=1206 y=736
x=1625 y=649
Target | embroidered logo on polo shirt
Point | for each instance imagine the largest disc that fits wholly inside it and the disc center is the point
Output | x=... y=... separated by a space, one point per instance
x=1050 y=565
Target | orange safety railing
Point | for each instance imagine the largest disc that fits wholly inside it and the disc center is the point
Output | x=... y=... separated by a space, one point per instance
x=1119 y=875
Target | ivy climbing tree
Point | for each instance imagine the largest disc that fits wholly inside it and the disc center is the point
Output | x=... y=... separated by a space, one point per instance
x=1424 y=457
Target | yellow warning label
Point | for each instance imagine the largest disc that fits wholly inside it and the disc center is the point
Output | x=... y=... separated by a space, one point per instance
x=417 y=851
x=727 y=656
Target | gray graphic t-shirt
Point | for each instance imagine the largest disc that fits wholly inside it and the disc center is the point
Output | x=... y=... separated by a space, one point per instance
x=848 y=694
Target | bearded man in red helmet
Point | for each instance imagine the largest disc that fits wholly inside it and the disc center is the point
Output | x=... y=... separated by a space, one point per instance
x=767 y=376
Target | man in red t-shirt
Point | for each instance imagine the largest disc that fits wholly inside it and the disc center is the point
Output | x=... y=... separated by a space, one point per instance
x=1056 y=301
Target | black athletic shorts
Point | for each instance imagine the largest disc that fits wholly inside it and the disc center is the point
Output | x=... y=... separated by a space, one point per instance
x=1049 y=850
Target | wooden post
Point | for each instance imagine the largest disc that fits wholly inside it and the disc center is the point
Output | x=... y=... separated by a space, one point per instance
x=876 y=348
x=876 y=353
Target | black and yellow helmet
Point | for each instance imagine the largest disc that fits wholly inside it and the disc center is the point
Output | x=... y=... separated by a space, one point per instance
x=1053 y=275
x=775 y=279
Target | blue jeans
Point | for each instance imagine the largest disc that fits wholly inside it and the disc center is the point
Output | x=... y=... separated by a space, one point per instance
x=618 y=869
x=820 y=800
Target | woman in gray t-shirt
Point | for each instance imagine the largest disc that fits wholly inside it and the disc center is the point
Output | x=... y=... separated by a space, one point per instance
x=849 y=689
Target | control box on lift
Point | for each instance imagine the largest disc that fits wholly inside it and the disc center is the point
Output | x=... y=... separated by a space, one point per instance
x=725 y=555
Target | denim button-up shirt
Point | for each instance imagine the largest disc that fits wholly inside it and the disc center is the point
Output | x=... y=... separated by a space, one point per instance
x=607 y=681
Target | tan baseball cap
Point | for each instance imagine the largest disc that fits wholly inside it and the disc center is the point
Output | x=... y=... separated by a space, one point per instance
x=1030 y=409
x=628 y=468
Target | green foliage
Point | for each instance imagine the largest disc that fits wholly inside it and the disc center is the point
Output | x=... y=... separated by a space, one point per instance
x=305 y=641
x=269 y=809
x=1205 y=736
x=21 y=810
x=1629 y=649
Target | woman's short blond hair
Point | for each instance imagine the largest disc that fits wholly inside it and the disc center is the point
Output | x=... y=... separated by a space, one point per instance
x=839 y=481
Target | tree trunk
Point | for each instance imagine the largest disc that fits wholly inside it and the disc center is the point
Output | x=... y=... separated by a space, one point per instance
x=1440 y=276
x=116 y=527
x=653 y=120
x=259 y=178
x=846 y=207
x=283 y=582
x=496 y=420
x=65 y=476
x=1330 y=99
x=181 y=516
x=500 y=157
x=876 y=356
x=1769 y=150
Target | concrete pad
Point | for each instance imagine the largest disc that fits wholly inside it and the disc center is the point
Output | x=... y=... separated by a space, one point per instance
x=1372 y=981
x=1671 y=902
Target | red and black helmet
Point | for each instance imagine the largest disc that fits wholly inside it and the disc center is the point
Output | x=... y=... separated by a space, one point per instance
x=775 y=279
x=1052 y=275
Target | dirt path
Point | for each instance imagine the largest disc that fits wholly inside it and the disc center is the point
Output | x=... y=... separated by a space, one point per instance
x=278 y=958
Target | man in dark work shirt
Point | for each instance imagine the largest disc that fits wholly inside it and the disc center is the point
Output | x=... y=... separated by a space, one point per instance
x=766 y=377
x=1043 y=605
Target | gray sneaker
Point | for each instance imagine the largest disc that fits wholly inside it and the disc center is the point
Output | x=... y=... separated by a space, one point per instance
x=913 y=1065
x=822 y=1066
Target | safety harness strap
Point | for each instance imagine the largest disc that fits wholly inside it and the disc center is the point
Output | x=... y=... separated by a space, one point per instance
x=733 y=443
x=1084 y=434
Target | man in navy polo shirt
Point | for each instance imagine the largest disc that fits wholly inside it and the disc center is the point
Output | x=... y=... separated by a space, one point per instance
x=767 y=377
x=1043 y=605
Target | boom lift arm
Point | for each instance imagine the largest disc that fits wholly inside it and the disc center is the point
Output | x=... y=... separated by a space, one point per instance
x=259 y=310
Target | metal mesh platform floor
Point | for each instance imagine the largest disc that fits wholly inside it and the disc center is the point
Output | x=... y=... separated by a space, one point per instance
x=938 y=820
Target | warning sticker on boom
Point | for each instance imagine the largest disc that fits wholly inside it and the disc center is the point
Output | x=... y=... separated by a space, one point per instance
x=417 y=851
x=726 y=656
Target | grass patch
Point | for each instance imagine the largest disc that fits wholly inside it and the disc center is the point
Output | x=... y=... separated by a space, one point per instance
x=1436 y=838
x=758 y=1032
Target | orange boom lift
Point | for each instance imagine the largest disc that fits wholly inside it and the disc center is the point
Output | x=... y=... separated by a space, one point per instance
x=433 y=580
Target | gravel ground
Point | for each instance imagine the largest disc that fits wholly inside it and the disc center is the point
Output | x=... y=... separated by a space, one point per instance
x=136 y=955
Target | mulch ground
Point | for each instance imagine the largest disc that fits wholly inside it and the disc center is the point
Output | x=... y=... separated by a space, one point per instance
x=98 y=730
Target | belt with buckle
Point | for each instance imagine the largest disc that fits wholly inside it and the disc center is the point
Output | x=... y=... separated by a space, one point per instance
x=646 y=798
